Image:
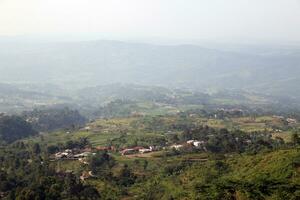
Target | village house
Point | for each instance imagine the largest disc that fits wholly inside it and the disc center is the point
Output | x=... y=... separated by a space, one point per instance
x=84 y=155
x=177 y=146
x=190 y=142
x=99 y=148
x=134 y=150
x=198 y=143
x=74 y=153
x=291 y=121
x=145 y=150
x=195 y=143
x=140 y=150
x=109 y=148
x=128 y=151
x=65 y=154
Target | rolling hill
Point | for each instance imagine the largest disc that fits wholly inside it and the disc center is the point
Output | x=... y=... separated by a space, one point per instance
x=81 y=64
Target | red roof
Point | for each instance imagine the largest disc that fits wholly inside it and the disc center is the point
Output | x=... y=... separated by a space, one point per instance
x=138 y=148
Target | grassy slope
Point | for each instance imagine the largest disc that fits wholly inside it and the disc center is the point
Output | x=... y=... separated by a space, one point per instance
x=277 y=166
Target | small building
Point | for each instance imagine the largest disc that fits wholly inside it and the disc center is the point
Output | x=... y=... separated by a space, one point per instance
x=128 y=151
x=190 y=141
x=83 y=155
x=195 y=143
x=61 y=155
x=198 y=143
x=87 y=128
x=145 y=151
x=177 y=146
x=68 y=151
x=99 y=148
x=138 y=148
x=291 y=121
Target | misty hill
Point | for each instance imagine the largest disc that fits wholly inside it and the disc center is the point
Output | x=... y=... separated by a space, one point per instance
x=79 y=64
x=19 y=97
x=132 y=98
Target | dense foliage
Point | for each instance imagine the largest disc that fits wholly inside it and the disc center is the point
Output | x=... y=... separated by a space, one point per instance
x=53 y=119
x=13 y=128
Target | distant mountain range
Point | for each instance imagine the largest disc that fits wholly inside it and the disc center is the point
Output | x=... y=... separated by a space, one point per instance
x=83 y=64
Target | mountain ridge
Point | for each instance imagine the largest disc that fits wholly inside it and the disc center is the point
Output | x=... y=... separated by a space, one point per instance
x=106 y=62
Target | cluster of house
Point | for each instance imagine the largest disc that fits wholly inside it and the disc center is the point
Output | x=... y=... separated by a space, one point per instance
x=141 y=150
x=291 y=121
x=288 y=120
x=74 y=154
x=193 y=143
x=79 y=154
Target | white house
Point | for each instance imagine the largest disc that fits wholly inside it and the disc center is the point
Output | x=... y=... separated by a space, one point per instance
x=145 y=150
x=198 y=143
x=177 y=146
x=190 y=141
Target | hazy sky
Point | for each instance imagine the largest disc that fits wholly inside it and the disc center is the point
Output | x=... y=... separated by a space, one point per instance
x=186 y=19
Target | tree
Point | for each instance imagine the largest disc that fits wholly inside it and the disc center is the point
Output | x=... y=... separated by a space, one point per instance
x=101 y=163
x=295 y=139
x=90 y=193
x=126 y=177
x=36 y=149
x=52 y=149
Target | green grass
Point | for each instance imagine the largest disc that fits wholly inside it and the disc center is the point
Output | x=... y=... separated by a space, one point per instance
x=277 y=165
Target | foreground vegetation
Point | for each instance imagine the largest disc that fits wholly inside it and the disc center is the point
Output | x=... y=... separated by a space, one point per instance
x=241 y=157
